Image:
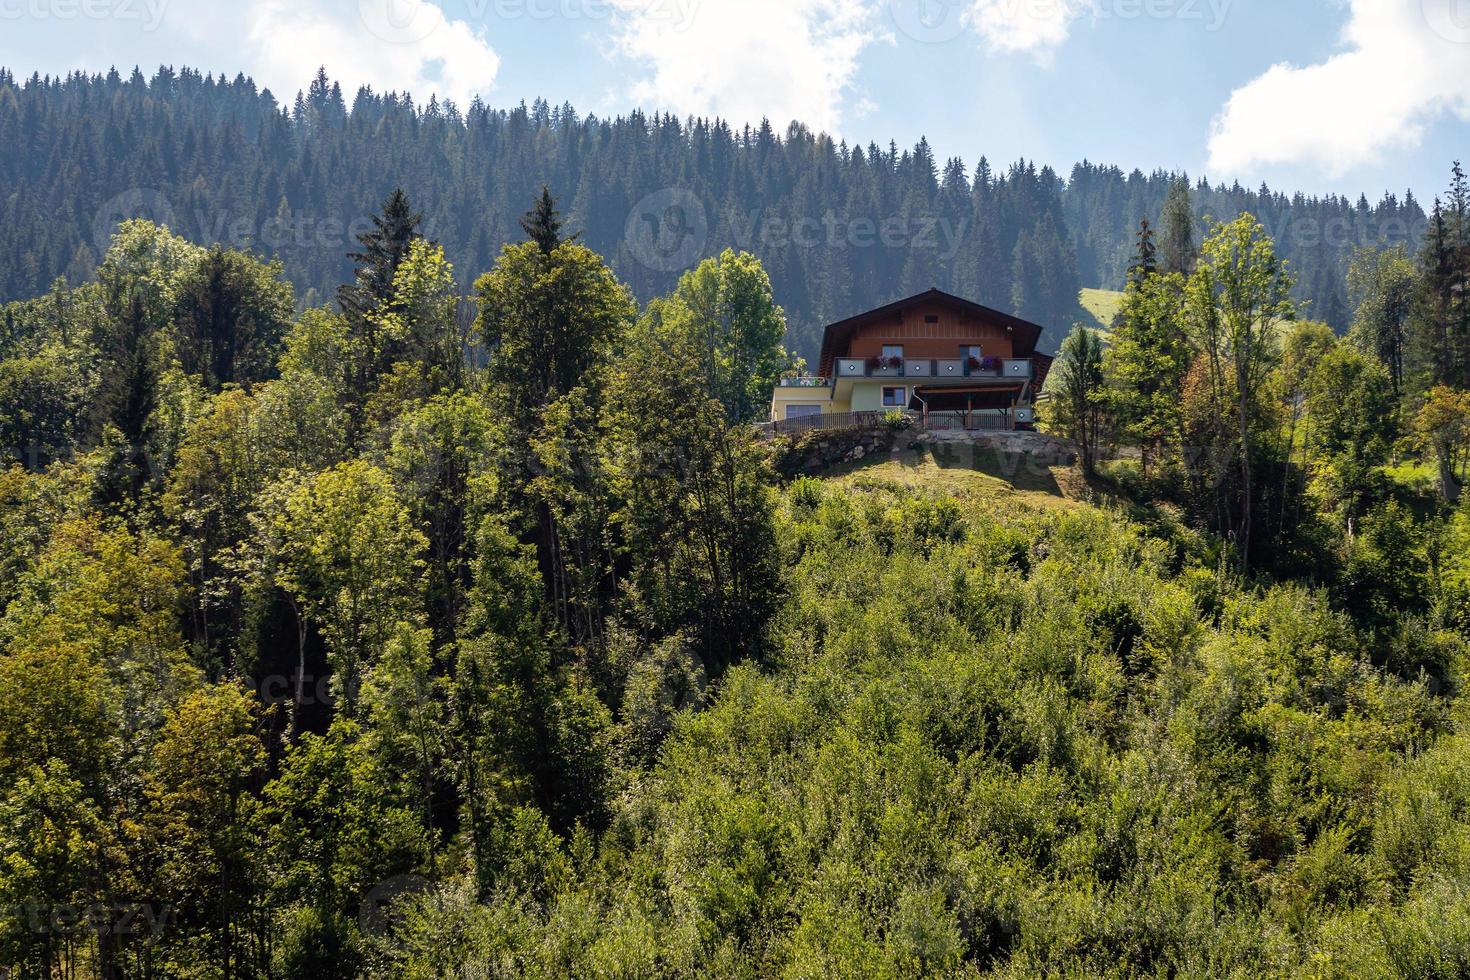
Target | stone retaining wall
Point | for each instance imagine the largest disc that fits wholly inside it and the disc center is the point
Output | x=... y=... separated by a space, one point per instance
x=815 y=451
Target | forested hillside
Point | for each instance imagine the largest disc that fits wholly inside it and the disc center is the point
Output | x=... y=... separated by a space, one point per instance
x=840 y=229
x=410 y=636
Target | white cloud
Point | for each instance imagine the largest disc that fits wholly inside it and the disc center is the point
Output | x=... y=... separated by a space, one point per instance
x=389 y=44
x=1406 y=63
x=745 y=60
x=1034 y=27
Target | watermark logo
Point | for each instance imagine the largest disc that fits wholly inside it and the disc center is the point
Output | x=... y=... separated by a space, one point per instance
x=136 y=202
x=899 y=232
x=296 y=230
x=148 y=13
x=376 y=915
x=667 y=230
x=307 y=691
x=414 y=21
x=400 y=21
x=1450 y=19
x=137 y=920
x=1028 y=24
x=930 y=21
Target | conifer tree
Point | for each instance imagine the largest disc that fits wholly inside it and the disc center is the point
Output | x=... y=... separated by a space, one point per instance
x=383 y=249
x=1145 y=259
x=299 y=171
x=1079 y=399
x=1434 y=331
x=1179 y=248
x=543 y=224
x=135 y=388
x=1149 y=354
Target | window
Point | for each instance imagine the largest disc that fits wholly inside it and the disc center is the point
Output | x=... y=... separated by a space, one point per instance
x=802 y=411
x=895 y=397
x=892 y=351
x=971 y=352
x=931 y=319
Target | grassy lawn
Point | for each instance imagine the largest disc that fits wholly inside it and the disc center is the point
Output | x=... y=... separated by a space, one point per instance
x=1102 y=305
x=994 y=478
x=1413 y=474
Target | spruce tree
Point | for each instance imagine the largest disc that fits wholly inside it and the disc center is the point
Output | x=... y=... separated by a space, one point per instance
x=1432 y=321
x=1077 y=408
x=1145 y=258
x=1149 y=354
x=135 y=382
x=542 y=224
x=283 y=167
x=1179 y=249
x=1457 y=287
x=383 y=249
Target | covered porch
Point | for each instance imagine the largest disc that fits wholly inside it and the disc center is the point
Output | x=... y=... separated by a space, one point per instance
x=968 y=407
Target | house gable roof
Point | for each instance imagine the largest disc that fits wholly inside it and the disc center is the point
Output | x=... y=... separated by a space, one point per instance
x=838 y=336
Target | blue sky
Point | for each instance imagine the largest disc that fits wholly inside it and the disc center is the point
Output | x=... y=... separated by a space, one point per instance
x=1316 y=95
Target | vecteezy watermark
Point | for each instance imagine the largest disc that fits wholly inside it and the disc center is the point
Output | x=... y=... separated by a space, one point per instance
x=1346 y=232
x=148 y=13
x=138 y=920
x=758 y=229
x=295 y=230
x=312 y=690
x=667 y=230
x=401 y=21
x=931 y=21
x=1210 y=13
x=414 y=21
x=136 y=202
x=1450 y=19
x=938 y=21
x=375 y=916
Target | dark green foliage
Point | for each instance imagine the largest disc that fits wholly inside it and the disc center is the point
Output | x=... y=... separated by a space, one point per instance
x=959 y=766
x=541 y=673
x=300 y=178
x=695 y=503
x=1079 y=401
x=542 y=224
x=42 y=407
x=1146 y=258
x=1383 y=285
x=383 y=249
x=1180 y=250
x=233 y=313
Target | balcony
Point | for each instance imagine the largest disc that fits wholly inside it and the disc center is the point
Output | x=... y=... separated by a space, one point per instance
x=803 y=382
x=1018 y=368
x=940 y=369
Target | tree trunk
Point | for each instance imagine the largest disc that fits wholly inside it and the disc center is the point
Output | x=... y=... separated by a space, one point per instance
x=1245 y=485
x=1448 y=484
x=300 y=673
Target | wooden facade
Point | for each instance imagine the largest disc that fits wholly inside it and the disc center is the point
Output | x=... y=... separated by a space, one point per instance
x=930 y=355
x=921 y=338
x=931 y=325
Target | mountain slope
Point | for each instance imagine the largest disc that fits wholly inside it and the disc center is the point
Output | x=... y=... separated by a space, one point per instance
x=841 y=229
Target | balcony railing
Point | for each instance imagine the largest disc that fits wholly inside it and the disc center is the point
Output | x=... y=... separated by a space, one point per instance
x=1017 y=368
x=803 y=382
